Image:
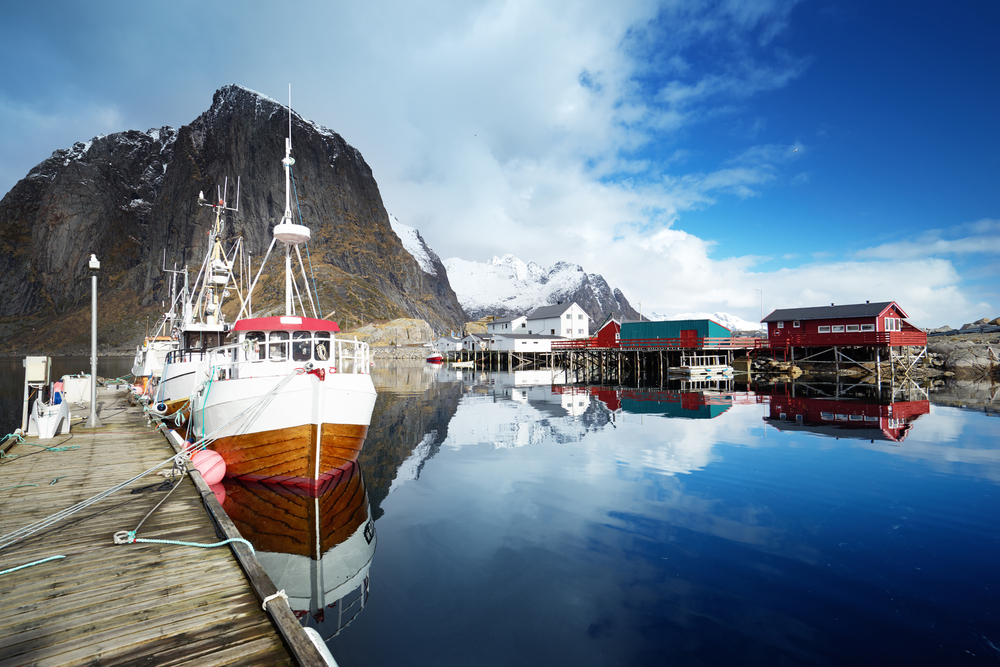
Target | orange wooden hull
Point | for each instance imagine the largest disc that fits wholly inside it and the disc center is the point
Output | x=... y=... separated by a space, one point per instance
x=289 y=455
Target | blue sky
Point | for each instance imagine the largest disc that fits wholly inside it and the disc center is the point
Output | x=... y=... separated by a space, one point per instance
x=697 y=154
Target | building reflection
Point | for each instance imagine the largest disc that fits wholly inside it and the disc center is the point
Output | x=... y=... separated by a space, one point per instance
x=318 y=549
x=688 y=400
x=864 y=412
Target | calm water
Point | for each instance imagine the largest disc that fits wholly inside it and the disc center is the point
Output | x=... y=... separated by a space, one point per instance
x=497 y=519
x=534 y=525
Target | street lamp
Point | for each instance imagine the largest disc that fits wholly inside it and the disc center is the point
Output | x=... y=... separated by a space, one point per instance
x=94 y=421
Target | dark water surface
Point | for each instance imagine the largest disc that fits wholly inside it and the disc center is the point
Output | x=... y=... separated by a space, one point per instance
x=541 y=525
x=505 y=520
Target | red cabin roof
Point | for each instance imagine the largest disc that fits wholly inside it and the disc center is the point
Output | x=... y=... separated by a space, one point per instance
x=285 y=323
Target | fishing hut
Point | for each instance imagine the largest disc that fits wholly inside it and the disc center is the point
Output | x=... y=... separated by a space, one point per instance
x=860 y=335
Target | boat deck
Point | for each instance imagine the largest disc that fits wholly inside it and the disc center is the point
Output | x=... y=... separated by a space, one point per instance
x=114 y=604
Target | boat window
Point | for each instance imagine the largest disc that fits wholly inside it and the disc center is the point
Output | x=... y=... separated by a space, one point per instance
x=278 y=347
x=300 y=346
x=321 y=351
x=253 y=344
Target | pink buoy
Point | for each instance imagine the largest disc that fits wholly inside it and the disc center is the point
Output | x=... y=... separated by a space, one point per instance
x=211 y=465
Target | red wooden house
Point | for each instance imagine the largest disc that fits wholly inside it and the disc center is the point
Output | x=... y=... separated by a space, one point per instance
x=607 y=335
x=866 y=324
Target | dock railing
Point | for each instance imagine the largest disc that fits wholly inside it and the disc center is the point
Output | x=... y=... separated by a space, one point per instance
x=730 y=343
x=853 y=339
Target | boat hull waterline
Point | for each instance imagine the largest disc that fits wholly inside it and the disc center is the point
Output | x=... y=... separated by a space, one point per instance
x=302 y=435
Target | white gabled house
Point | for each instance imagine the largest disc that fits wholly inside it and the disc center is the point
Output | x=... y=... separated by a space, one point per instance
x=448 y=344
x=508 y=325
x=563 y=320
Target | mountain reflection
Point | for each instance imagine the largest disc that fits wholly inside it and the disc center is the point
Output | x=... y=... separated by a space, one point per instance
x=319 y=550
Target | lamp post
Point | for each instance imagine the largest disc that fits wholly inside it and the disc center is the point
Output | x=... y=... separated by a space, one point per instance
x=93 y=421
x=761 y=303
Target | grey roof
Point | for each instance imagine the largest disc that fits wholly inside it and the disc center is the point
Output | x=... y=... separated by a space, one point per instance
x=549 y=311
x=831 y=312
x=506 y=319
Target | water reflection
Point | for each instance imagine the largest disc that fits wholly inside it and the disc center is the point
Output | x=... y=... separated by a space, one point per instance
x=319 y=550
x=863 y=412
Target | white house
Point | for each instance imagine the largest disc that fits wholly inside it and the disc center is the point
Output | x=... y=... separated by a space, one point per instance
x=523 y=343
x=564 y=320
x=475 y=343
x=447 y=344
x=508 y=325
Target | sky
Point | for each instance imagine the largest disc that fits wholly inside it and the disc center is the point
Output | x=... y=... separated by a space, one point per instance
x=734 y=156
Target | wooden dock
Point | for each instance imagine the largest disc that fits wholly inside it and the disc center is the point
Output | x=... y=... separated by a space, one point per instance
x=111 y=604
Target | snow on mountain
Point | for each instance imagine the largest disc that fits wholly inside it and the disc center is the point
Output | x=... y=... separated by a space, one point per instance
x=414 y=244
x=731 y=322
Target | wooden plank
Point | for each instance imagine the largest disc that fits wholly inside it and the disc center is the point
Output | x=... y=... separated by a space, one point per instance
x=118 y=604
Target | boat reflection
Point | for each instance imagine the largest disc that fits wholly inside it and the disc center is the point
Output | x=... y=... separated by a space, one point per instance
x=838 y=411
x=318 y=549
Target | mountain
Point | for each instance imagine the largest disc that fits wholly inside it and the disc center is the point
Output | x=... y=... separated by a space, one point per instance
x=731 y=322
x=131 y=199
x=506 y=286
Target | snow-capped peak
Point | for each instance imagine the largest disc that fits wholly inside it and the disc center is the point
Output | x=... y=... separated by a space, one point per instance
x=731 y=322
x=414 y=244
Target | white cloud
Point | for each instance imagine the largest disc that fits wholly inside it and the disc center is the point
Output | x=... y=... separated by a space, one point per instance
x=980 y=237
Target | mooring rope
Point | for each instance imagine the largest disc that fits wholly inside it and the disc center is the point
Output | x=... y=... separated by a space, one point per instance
x=186 y=451
x=37 y=562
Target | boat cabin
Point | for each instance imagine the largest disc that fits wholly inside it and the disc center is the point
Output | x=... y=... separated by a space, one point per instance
x=300 y=339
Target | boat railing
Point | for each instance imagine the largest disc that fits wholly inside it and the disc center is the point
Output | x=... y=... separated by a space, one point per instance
x=249 y=359
x=187 y=355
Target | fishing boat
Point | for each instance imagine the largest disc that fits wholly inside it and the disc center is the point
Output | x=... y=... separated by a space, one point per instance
x=317 y=549
x=290 y=400
x=435 y=357
x=149 y=358
x=202 y=323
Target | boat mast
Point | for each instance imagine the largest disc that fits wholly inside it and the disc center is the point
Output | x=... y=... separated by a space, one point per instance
x=287 y=231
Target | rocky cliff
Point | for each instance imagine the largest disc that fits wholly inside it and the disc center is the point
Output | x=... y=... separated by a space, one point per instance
x=130 y=197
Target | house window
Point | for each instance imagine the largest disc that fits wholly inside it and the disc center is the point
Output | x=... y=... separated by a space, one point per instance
x=781 y=325
x=868 y=327
x=838 y=328
x=553 y=332
x=579 y=331
x=892 y=324
x=569 y=316
x=852 y=328
x=822 y=329
x=796 y=324
x=579 y=317
x=524 y=324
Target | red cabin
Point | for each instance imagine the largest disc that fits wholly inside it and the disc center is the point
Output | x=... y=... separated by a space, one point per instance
x=866 y=324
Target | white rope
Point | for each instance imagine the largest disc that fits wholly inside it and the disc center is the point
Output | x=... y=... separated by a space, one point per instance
x=279 y=594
